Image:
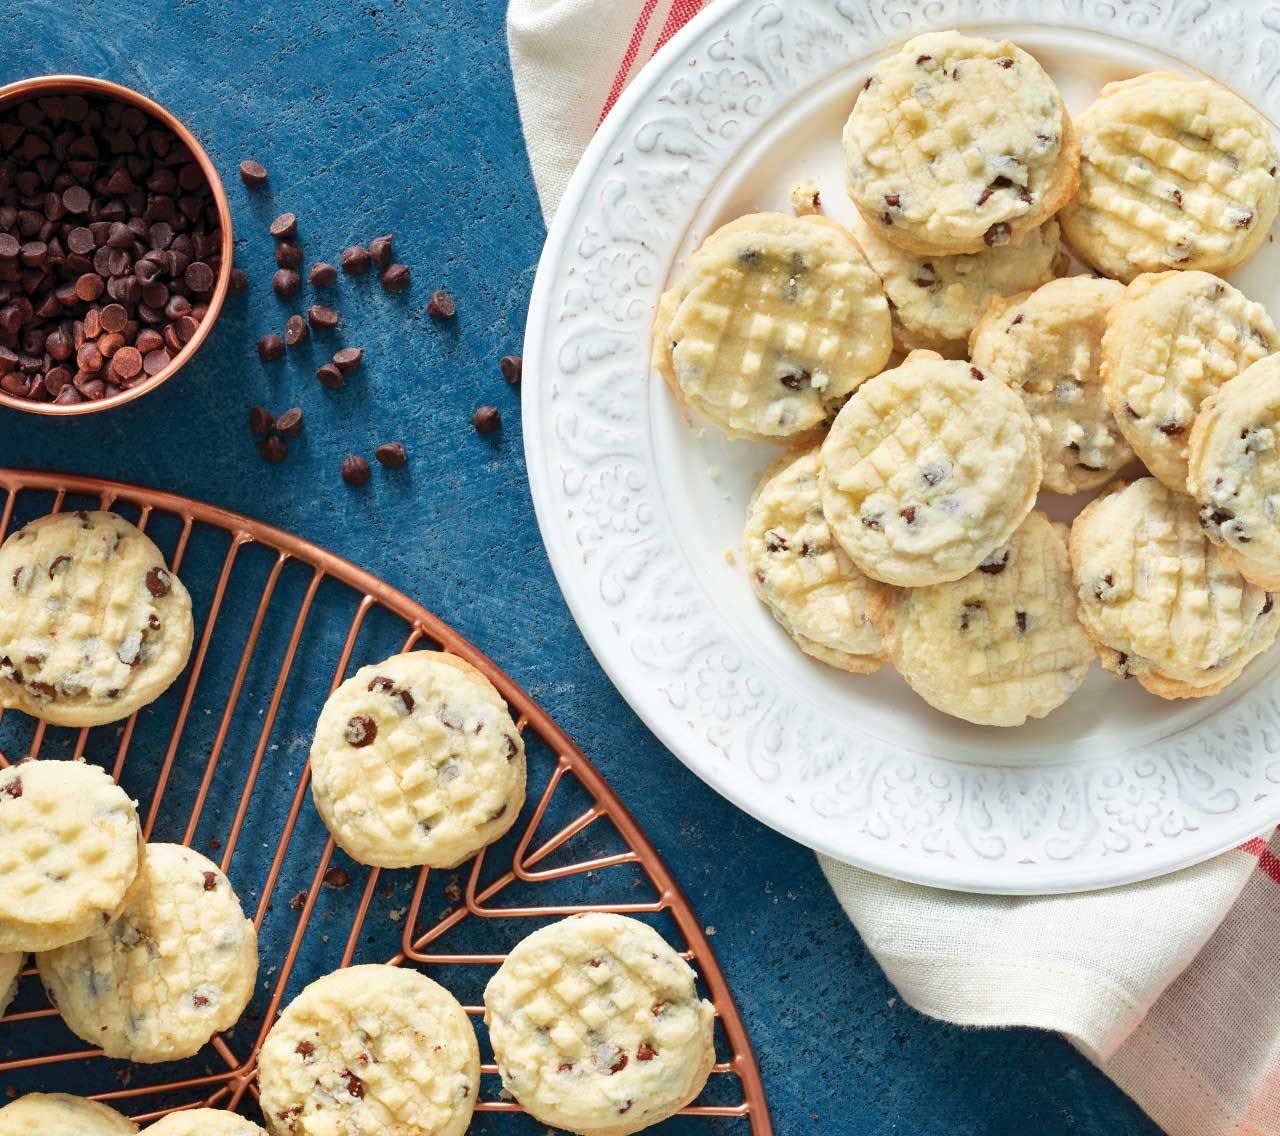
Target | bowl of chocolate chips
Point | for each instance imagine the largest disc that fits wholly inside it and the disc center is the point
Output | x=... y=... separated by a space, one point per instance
x=115 y=245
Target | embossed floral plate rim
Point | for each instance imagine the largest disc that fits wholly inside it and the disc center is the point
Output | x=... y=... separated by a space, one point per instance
x=1207 y=784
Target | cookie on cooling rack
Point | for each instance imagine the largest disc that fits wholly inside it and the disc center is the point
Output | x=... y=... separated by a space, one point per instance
x=1234 y=471
x=936 y=301
x=204 y=1122
x=1171 y=341
x=93 y=626
x=597 y=1026
x=1174 y=173
x=416 y=761
x=1047 y=345
x=10 y=968
x=1159 y=600
x=59 y=1114
x=370 y=1049
x=70 y=848
x=801 y=573
x=1000 y=645
x=178 y=964
x=957 y=144
x=927 y=470
x=774 y=321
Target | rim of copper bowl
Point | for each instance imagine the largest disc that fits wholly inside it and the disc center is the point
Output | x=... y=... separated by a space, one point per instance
x=51 y=84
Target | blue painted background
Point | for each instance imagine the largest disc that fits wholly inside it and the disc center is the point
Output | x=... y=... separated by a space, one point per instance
x=394 y=116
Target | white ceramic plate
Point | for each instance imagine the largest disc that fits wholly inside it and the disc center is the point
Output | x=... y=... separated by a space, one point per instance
x=637 y=508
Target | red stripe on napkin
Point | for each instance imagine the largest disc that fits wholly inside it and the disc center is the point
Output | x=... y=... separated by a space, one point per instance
x=1268 y=861
x=682 y=11
x=629 y=56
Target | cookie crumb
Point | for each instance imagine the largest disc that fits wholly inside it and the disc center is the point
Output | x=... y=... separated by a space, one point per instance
x=806 y=198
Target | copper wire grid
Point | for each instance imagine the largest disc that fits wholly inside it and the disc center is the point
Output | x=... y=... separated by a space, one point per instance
x=423 y=940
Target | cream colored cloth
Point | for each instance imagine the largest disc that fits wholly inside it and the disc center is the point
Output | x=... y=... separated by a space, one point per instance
x=1173 y=986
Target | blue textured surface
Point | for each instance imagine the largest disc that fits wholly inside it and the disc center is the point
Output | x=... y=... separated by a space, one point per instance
x=399 y=116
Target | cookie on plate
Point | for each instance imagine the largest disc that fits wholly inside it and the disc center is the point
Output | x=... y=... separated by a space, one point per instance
x=204 y=1122
x=1159 y=601
x=178 y=965
x=801 y=573
x=936 y=301
x=1047 y=345
x=416 y=761
x=10 y=968
x=1174 y=173
x=1234 y=471
x=93 y=626
x=1000 y=645
x=1171 y=341
x=772 y=324
x=927 y=470
x=59 y=1114
x=597 y=1027
x=370 y=1049
x=957 y=144
x=70 y=849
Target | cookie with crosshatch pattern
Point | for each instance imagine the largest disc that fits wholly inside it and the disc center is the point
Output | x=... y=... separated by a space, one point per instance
x=1000 y=645
x=60 y=1114
x=416 y=761
x=70 y=850
x=204 y=1122
x=772 y=324
x=93 y=625
x=1175 y=173
x=178 y=964
x=1171 y=341
x=1234 y=471
x=370 y=1049
x=927 y=470
x=957 y=144
x=801 y=573
x=597 y=1026
x=1047 y=345
x=1160 y=602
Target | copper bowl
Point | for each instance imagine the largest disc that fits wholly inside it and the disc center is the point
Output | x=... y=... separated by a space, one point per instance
x=103 y=88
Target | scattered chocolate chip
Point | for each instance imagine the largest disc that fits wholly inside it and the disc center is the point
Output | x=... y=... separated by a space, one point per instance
x=394 y=278
x=337 y=878
x=284 y=227
x=330 y=377
x=322 y=275
x=355 y=260
x=239 y=282
x=355 y=471
x=512 y=367
x=289 y=424
x=273 y=449
x=391 y=454
x=288 y=254
x=261 y=421
x=487 y=420
x=286 y=282
x=441 y=305
x=348 y=359
x=322 y=318
x=270 y=348
x=295 y=330
x=252 y=173
x=380 y=250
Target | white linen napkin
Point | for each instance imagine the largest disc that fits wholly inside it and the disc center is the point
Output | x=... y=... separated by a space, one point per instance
x=1172 y=986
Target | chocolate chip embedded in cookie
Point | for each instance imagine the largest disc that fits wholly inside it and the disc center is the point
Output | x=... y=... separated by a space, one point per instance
x=93 y=625
x=1175 y=173
x=772 y=324
x=959 y=144
x=597 y=1026
x=370 y=1049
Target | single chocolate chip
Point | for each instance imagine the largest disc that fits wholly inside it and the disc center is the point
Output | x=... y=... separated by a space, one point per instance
x=261 y=420
x=284 y=227
x=286 y=282
x=999 y=234
x=199 y=277
x=391 y=454
x=295 y=330
x=239 y=282
x=270 y=348
x=380 y=250
x=336 y=878
x=210 y=881
x=322 y=318
x=289 y=424
x=273 y=449
x=348 y=359
x=127 y=363
x=395 y=278
x=330 y=377
x=974 y=373
x=487 y=420
x=355 y=471
x=159 y=582
x=288 y=254
x=512 y=367
x=252 y=173
x=322 y=275
x=355 y=260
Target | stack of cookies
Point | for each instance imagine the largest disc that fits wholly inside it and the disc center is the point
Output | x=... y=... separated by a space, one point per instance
x=933 y=369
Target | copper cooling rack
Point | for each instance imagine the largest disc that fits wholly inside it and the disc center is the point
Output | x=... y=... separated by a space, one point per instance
x=219 y=764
